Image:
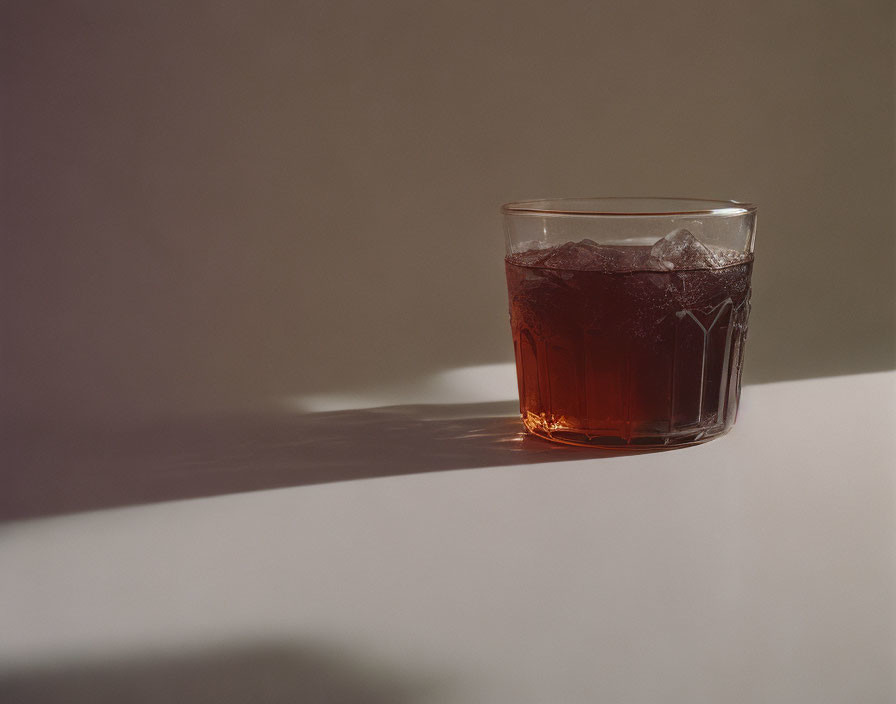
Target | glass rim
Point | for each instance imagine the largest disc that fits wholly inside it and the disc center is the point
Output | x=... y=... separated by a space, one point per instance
x=563 y=206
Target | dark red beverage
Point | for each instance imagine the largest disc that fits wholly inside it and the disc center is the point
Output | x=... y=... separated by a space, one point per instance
x=629 y=345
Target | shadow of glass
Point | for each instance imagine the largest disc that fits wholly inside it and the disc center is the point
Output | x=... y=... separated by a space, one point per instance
x=271 y=674
x=54 y=470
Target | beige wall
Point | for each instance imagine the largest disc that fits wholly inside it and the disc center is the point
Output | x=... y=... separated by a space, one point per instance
x=219 y=203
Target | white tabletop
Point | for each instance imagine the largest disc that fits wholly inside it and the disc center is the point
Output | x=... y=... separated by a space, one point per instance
x=424 y=553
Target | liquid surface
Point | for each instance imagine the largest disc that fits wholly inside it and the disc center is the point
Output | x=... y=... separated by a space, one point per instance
x=629 y=345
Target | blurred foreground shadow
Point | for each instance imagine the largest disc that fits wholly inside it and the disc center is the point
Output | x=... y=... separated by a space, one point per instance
x=50 y=470
x=267 y=674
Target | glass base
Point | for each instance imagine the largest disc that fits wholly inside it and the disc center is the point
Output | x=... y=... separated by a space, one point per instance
x=571 y=436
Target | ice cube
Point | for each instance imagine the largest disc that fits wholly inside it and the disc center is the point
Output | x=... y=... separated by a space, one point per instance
x=532 y=253
x=560 y=257
x=681 y=250
x=585 y=255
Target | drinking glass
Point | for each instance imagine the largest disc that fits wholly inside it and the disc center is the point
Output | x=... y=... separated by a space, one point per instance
x=629 y=317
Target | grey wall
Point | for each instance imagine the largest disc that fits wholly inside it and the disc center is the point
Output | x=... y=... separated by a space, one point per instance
x=208 y=204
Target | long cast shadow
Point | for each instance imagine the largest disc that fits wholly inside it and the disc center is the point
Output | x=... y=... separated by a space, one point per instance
x=52 y=470
x=267 y=673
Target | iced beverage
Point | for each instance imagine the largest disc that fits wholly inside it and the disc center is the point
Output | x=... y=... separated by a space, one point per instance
x=629 y=345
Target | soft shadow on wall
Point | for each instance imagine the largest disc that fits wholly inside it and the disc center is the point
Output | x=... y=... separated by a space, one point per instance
x=268 y=673
x=211 y=204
